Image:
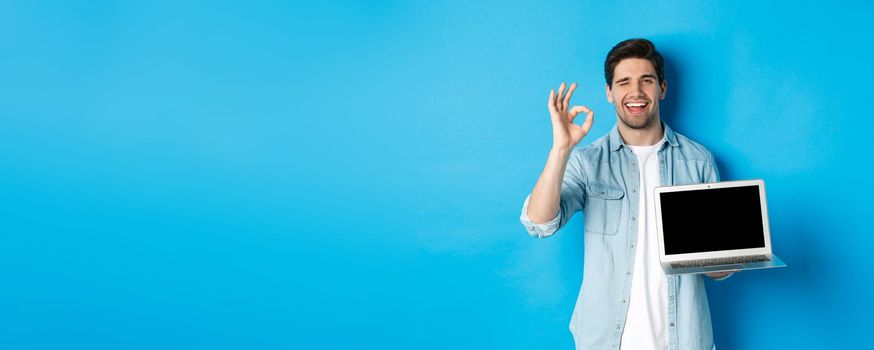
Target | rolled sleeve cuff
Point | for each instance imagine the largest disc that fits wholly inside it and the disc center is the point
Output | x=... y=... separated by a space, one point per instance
x=543 y=230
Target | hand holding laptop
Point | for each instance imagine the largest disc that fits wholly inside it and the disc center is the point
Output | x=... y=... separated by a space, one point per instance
x=719 y=275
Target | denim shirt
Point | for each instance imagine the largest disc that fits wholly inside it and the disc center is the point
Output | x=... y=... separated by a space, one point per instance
x=602 y=180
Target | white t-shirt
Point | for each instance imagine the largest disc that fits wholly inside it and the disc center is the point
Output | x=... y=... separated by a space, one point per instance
x=645 y=324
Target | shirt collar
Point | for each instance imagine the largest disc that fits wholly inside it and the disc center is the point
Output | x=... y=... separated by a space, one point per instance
x=616 y=141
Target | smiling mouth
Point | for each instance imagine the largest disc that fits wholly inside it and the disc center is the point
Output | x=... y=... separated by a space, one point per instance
x=636 y=107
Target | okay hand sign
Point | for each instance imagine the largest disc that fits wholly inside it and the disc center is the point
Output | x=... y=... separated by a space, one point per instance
x=566 y=134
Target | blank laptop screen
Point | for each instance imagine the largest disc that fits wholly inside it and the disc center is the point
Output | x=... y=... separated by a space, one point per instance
x=712 y=220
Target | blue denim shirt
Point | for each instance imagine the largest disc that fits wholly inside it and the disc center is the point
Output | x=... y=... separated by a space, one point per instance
x=602 y=180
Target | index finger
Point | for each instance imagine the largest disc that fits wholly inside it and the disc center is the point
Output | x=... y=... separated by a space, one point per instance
x=551 y=103
x=590 y=119
x=567 y=98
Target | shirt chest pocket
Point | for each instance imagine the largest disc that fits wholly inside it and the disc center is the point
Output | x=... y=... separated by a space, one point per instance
x=603 y=208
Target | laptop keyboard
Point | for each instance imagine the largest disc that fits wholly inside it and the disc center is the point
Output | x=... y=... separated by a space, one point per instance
x=720 y=261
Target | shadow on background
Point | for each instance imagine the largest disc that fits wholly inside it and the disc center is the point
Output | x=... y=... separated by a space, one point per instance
x=671 y=108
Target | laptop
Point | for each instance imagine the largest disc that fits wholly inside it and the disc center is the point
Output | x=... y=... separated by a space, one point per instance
x=713 y=227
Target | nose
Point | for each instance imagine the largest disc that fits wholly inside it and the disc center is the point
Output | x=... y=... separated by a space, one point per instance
x=637 y=89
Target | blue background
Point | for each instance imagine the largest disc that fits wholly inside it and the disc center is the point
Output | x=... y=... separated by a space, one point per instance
x=326 y=175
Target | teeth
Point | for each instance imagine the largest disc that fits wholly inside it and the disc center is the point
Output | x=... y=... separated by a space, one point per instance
x=635 y=104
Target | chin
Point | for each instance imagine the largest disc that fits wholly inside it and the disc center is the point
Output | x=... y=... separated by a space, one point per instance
x=644 y=123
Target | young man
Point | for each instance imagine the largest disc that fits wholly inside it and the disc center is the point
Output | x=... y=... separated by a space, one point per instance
x=626 y=301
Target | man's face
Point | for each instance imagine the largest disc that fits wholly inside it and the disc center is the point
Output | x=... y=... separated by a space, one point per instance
x=636 y=92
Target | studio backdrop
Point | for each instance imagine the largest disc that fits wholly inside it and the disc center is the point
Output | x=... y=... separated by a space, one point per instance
x=350 y=174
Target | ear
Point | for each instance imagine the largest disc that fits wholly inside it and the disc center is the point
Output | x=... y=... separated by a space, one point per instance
x=664 y=89
x=609 y=95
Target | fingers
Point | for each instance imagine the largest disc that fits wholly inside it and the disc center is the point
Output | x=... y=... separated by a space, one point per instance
x=567 y=97
x=577 y=109
x=590 y=119
x=559 y=102
x=590 y=116
x=720 y=275
x=559 y=97
x=717 y=275
x=551 y=103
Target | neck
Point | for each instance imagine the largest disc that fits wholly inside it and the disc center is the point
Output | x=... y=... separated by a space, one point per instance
x=642 y=137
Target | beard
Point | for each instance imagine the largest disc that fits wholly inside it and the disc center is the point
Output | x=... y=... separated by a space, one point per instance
x=638 y=123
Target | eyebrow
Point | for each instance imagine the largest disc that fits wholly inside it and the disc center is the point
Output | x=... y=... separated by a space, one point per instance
x=622 y=80
x=648 y=75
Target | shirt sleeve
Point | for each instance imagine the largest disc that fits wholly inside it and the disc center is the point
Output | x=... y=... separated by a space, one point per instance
x=543 y=230
x=572 y=199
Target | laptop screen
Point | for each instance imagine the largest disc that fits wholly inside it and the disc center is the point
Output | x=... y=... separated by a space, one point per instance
x=712 y=220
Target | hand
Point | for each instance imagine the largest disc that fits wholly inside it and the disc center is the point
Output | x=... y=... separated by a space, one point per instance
x=566 y=134
x=719 y=275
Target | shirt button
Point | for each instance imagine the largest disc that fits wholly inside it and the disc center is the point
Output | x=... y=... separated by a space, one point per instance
x=672 y=324
x=618 y=327
x=634 y=190
x=632 y=245
x=628 y=273
x=633 y=218
x=623 y=301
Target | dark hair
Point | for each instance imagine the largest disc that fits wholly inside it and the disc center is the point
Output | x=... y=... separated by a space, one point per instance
x=633 y=48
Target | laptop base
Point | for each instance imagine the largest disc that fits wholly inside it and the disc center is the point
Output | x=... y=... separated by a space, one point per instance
x=775 y=262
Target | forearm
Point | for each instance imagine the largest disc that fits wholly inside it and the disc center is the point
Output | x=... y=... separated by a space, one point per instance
x=544 y=202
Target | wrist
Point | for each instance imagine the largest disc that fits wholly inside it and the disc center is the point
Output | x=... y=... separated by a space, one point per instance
x=562 y=151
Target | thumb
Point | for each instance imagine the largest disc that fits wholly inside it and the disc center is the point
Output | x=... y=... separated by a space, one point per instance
x=590 y=119
x=573 y=112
